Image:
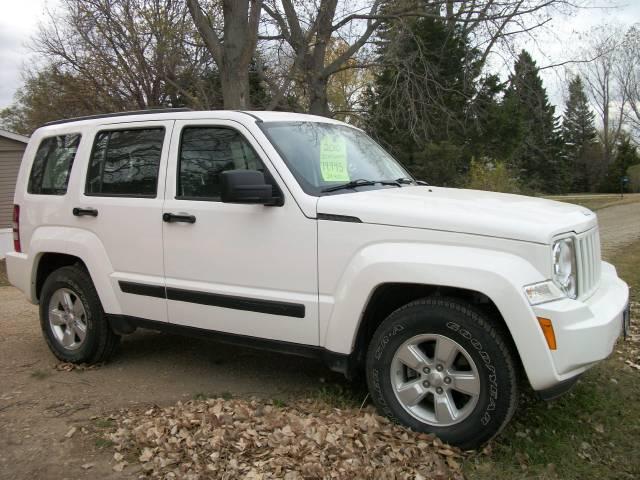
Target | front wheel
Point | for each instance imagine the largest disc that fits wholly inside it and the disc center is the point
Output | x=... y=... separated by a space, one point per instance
x=439 y=366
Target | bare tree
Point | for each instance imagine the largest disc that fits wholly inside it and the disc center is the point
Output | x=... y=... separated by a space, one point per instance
x=630 y=78
x=607 y=79
x=138 y=53
x=232 y=44
x=307 y=28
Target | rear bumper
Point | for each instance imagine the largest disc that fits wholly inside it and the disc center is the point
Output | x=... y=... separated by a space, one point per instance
x=20 y=272
x=586 y=331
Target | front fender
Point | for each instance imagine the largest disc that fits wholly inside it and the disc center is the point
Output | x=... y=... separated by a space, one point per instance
x=79 y=243
x=498 y=275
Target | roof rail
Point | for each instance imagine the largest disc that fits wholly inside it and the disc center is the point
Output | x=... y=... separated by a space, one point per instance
x=118 y=114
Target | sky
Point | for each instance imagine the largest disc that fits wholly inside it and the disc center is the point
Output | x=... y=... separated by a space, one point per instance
x=19 y=20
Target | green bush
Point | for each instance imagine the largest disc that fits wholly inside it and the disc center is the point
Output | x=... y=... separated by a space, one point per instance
x=491 y=176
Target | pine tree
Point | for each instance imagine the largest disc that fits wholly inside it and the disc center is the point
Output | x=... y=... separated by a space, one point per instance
x=579 y=136
x=534 y=148
x=626 y=156
x=418 y=106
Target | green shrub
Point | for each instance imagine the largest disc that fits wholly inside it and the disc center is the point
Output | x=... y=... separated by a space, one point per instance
x=491 y=176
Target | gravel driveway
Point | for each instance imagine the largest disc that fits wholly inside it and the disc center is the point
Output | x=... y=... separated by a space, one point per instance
x=41 y=403
x=619 y=226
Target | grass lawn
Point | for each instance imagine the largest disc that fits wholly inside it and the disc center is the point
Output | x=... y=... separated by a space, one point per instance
x=593 y=432
x=598 y=202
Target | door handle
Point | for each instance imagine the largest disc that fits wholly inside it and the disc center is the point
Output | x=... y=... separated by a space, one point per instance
x=82 y=212
x=178 y=217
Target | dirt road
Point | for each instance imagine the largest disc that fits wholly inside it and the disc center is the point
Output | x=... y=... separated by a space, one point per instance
x=619 y=226
x=40 y=405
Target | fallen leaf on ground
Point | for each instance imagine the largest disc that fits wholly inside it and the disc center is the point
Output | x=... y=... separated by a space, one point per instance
x=252 y=440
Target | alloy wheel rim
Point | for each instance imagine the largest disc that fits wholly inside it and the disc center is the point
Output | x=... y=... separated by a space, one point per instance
x=67 y=319
x=435 y=380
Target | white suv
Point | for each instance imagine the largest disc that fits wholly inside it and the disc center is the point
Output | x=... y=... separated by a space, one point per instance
x=300 y=234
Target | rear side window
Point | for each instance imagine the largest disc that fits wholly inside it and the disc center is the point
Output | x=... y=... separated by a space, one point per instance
x=125 y=163
x=206 y=152
x=52 y=165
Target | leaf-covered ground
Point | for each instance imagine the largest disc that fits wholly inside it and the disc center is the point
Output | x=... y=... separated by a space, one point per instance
x=249 y=439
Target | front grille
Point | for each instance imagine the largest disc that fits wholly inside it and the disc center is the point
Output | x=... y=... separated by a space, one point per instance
x=588 y=260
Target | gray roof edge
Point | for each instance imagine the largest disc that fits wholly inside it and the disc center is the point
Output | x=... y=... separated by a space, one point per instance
x=14 y=136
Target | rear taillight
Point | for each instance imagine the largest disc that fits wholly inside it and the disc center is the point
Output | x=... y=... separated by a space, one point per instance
x=16 y=229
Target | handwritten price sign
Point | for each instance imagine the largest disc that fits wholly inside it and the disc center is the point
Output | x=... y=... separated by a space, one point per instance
x=333 y=159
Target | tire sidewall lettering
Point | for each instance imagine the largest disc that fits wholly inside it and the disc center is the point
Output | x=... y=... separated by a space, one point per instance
x=486 y=360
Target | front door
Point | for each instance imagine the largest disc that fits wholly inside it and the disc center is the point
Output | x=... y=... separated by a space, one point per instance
x=241 y=269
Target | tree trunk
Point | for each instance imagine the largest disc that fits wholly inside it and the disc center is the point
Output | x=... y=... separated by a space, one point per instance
x=317 y=81
x=234 y=51
x=318 y=102
x=235 y=88
x=235 y=72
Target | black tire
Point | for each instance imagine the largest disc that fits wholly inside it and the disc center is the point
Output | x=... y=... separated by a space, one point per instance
x=458 y=321
x=100 y=341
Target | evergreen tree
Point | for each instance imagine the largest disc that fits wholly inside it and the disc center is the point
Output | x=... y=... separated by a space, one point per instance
x=534 y=150
x=419 y=104
x=579 y=136
x=626 y=156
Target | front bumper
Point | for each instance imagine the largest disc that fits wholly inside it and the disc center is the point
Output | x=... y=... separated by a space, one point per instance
x=586 y=331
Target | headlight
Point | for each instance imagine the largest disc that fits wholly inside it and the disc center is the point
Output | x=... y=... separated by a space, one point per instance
x=564 y=267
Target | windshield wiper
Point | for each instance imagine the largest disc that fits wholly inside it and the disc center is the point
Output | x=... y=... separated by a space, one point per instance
x=358 y=183
x=405 y=180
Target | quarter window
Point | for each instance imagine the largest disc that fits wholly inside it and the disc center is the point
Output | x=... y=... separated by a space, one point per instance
x=52 y=165
x=125 y=162
x=206 y=152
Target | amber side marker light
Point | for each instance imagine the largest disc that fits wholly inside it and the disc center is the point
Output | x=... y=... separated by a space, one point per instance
x=547 y=330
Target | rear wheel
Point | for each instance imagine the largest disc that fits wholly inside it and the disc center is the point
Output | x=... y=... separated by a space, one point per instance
x=72 y=319
x=438 y=365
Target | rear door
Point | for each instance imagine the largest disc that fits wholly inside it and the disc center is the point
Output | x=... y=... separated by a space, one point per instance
x=121 y=202
x=235 y=268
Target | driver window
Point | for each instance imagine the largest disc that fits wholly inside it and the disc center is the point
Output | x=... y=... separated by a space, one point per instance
x=206 y=152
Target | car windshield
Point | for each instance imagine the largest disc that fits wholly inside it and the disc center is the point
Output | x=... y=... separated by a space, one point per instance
x=326 y=155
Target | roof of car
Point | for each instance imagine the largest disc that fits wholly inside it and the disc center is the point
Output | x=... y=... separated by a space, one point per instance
x=187 y=114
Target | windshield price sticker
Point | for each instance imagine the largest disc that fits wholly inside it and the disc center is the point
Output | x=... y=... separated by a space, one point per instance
x=333 y=159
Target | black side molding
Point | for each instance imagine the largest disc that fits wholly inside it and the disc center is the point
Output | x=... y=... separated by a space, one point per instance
x=338 y=218
x=248 y=304
x=237 y=303
x=143 y=289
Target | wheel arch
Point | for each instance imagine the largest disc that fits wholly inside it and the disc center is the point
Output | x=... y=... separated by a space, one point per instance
x=49 y=262
x=388 y=297
x=55 y=247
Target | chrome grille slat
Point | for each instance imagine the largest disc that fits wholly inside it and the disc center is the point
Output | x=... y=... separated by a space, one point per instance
x=588 y=262
x=582 y=266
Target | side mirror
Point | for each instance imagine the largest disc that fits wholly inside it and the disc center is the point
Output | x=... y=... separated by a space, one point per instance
x=245 y=186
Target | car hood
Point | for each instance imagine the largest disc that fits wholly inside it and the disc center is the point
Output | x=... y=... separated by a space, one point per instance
x=465 y=211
